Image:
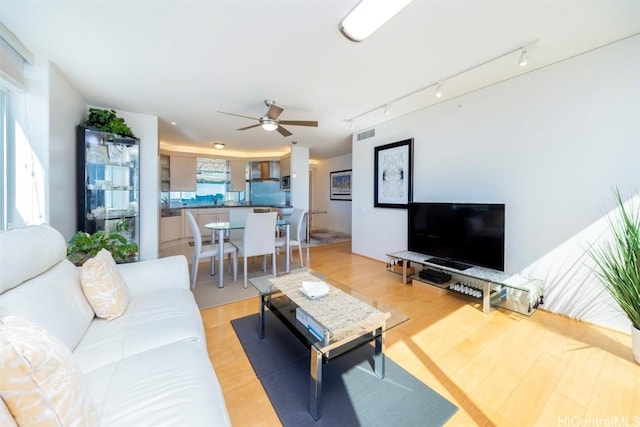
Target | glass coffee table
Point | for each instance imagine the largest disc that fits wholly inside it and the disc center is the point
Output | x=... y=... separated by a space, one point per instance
x=329 y=325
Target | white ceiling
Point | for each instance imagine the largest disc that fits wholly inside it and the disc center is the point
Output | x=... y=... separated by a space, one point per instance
x=184 y=61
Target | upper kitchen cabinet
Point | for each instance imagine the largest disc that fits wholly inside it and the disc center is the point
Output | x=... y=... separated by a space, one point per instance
x=182 y=173
x=237 y=175
x=285 y=166
x=165 y=167
x=108 y=182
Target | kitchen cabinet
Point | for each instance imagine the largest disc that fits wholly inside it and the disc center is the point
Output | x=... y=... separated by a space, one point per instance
x=182 y=173
x=285 y=166
x=203 y=216
x=107 y=183
x=164 y=173
x=237 y=175
x=170 y=228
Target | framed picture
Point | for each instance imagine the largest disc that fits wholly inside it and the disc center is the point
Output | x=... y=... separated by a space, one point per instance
x=340 y=185
x=392 y=181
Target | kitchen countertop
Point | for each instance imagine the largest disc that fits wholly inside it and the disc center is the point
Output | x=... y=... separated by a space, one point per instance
x=211 y=205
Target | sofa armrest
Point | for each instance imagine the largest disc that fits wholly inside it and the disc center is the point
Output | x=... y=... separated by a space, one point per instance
x=156 y=274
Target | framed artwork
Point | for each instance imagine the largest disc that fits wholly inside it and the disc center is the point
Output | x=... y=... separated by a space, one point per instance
x=340 y=185
x=392 y=181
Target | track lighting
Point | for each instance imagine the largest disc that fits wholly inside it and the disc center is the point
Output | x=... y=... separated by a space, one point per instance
x=524 y=58
x=525 y=49
x=439 y=90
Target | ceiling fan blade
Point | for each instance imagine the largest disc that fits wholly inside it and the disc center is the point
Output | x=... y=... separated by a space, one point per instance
x=249 y=127
x=282 y=131
x=274 y=111
x=299 y=123
x=238 y=115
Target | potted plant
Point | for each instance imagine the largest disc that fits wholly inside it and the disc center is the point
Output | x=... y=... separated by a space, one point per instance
x=618 y=266
x=83 y=246
x=108 y=121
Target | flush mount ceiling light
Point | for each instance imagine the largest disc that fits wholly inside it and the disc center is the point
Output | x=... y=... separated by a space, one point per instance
x=368 y=16
x=268 y=124
x=218 y=145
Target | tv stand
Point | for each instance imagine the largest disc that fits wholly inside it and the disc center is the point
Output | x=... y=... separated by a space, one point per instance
x=448 y=262
x=497 y=288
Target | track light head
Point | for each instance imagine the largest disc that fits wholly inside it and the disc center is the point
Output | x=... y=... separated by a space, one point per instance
x=387 y=110
x=524 y=58
x=439 y=90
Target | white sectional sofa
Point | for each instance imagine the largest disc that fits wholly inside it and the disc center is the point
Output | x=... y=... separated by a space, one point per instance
x=148 y=367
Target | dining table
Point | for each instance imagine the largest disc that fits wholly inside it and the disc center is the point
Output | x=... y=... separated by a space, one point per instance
x=222 y=227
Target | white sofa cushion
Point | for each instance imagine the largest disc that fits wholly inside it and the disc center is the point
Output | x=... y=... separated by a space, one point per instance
x=40 y=382
x=54 y=300
x=151 y=320
x=127 y=393
x=156 y=275
x=104 y=286
x=27 y=252
x=6 y=419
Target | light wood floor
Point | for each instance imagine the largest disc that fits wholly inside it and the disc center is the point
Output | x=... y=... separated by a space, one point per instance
x=501 y=369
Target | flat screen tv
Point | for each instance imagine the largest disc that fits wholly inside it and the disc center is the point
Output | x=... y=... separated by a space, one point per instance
x=458 y=235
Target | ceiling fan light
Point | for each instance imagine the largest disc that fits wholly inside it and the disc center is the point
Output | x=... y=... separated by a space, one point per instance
x=269 y=125
x=368 y=16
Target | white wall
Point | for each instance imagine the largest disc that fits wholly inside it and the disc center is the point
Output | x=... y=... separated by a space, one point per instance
x=145 y=127
x=299 y=177
x=550 y=144
x=338 y=216
x=66 y=110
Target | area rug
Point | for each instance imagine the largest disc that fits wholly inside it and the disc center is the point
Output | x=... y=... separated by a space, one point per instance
x=325 y=237
x=207 y=293
x=351 y=393
x=317 y=238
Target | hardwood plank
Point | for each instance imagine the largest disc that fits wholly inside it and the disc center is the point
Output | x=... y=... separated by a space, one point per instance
x=502 y=369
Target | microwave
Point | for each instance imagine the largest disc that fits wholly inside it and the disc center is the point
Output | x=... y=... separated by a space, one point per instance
x=285 y=182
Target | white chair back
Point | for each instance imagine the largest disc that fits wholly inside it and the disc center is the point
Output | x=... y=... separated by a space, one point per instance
x=197 y=237
x=259 y=233
x=295 y=226
x=237 y=216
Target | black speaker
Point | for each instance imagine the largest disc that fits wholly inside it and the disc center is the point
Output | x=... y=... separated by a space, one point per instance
x=434 y=276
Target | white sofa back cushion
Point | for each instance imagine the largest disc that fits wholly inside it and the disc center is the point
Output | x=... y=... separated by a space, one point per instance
x=51 y=297
x=27 y=252
x=6 y=419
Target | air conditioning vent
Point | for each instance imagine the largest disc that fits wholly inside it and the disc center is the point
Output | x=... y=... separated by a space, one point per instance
x=366 y=134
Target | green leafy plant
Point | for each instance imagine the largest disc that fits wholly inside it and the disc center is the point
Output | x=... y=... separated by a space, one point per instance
x=108 y=121
x=83 y=246
x=618 y=262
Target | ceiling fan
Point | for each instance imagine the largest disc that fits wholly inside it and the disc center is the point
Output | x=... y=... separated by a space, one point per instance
x=270 y=120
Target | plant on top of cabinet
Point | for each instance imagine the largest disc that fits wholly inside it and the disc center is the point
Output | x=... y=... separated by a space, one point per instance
x=108 y=121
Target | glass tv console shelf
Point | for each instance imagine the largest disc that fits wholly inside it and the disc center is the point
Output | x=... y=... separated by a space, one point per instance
x=490 y=287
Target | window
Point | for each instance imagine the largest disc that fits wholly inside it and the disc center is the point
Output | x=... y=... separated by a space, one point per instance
x=212 y=179
x=3 y=155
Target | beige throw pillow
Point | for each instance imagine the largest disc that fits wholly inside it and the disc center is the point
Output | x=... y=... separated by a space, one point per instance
x=104 y=286
x=40 y=382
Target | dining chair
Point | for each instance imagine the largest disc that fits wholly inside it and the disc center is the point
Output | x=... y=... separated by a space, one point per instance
x=259 y=239
x=201 y=251
x=295 y=233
